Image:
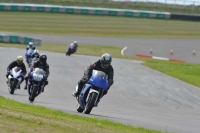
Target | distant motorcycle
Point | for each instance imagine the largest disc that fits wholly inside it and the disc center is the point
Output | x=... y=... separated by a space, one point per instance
x=29 y=55
x=35 y=84
x=92 y=91
x=14 y=79
x=71 y=50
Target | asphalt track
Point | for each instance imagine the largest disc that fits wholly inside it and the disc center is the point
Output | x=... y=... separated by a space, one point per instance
x=182 y=48
x=140 y=96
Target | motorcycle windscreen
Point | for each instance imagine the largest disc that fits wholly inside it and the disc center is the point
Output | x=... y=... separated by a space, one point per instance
x=39 y=71
x=30 y=52
x=99 y=79
x=17 y=69
x=16 y=72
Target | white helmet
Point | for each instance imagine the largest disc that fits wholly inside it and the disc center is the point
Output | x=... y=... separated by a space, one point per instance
x=36 y=51
x=75 y=42
x=30 y=44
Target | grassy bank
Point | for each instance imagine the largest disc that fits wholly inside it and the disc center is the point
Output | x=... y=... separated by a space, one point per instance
x=189 y=9
x=17 y=117
x=65 y=24
x=188 y=72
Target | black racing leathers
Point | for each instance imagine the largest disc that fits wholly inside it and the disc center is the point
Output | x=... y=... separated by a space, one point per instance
x=88 y=73
x=15 y=64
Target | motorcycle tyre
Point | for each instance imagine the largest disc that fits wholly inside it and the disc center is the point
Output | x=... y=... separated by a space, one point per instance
x=33 y=94
x=13 y=85
x=90 y=103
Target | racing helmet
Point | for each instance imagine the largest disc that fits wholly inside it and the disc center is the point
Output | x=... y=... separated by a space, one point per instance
x=43 y=58
x=105 y=60
x=30 y=44
x=36 y=53
x=76 y=43
x=19 y=60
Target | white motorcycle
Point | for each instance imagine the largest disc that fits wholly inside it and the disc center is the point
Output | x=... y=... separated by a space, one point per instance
x=14 y=79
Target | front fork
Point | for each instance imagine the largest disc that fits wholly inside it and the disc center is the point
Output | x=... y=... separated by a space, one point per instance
x=94 y=91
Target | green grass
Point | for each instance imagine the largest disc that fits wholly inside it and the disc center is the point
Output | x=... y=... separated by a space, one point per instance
x=189 y=9
x=65 y=24
x=17 y=117
x=188 y=72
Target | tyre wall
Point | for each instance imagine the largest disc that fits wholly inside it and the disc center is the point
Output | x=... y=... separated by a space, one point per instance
x=96 y=11
x=82 y=10
x=185 y=17
x=4 y=38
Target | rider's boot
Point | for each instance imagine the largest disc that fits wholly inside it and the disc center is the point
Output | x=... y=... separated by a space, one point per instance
x=77 y=93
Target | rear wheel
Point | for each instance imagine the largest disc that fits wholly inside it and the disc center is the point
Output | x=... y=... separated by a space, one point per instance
x=33 y=93
x=90 y=103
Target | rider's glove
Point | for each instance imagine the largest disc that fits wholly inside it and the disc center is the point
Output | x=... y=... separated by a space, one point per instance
x=86 y=79
x=8 y=72
x=105 y=92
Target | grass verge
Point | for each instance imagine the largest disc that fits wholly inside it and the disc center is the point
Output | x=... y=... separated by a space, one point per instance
x=20 y=118
x=88 y=25
x=188 y=72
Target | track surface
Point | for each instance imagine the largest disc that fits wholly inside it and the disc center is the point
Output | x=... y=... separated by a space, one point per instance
x=140 y=96
x=182 y=48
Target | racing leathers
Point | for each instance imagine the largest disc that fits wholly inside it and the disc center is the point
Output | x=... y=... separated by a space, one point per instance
x=35 y=57
x=28 y=47
x=88 y=73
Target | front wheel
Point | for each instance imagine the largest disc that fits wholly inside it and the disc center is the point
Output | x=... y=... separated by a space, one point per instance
x=12 y=86
x=90 y=103
x=33 y=93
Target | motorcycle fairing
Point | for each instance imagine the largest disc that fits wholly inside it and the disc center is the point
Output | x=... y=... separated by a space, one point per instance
x=82 y=98
x=99 y=79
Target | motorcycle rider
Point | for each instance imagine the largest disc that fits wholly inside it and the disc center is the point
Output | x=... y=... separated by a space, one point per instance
x=17 y=63
x=104 y=65
x=72 y=48
x=36 y=55
x=42 y=64
x=30 y=46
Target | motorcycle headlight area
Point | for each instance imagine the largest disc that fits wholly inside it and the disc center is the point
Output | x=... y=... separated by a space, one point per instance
x=19 y=76
x=37 y=77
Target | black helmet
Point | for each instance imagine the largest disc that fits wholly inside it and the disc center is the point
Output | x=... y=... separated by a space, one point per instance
x=105 y=60
x=43 y=58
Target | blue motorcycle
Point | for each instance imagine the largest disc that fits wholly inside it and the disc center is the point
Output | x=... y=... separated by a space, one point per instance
x=28 y=55
x=36 y=83
x=92 y=91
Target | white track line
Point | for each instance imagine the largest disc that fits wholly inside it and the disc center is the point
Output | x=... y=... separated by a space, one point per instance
x=122 y=51
x=160 y=58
